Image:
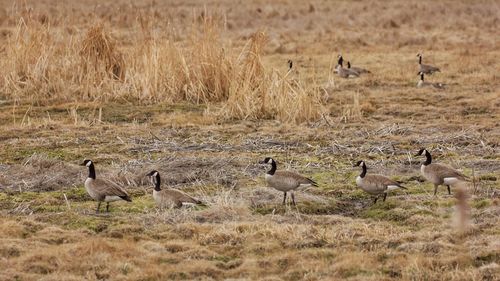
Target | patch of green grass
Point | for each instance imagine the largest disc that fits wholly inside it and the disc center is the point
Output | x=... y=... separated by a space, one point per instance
x=138 y=205
x=19 y=154
x=488 y=177
x=481 y=203
x=303 y=207
x=387 y=211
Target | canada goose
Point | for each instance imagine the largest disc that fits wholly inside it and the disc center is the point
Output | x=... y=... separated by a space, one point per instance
x=421 y=83
x=357 y=69
x=103 y=190
x=169 y=197
x=427 y=69
x=343 y=72
x=375 y=184
x=285 y=180
x=439 y=174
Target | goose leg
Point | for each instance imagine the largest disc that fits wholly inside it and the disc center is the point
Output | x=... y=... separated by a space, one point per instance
x=435 y=189
x=385 y=196
x=293 y=198
x=449 y=190
x=284 y=198
x=375 y=201
x=107 y=207
x=98 y=207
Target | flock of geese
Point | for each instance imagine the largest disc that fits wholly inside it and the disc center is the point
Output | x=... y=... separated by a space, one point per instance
x=285 y=181
x=354 y=72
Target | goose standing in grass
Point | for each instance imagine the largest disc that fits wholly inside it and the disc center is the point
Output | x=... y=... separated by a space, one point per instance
x=103 y=190
x=357 y=69
x=285 y=181
x=439 y=174
x=425 y=68
x=169 y=197
x=375 y=184
x=344 y=72
x=421 y=83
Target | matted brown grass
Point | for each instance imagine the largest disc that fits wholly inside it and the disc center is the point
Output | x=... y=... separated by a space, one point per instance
x=202 y=93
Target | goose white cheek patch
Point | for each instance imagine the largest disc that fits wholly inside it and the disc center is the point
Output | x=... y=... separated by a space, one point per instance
x=89 y=163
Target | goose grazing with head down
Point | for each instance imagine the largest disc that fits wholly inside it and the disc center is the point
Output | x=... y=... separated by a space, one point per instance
x=344 y=72
x=426 y=69
x=103 y=190
x=285 y=181
x=357 y=69
x=169 y=197
x=375 y=184
x=421 y=83
x=439 y=174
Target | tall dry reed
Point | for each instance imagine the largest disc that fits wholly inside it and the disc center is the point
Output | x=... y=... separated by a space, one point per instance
x=46 y=65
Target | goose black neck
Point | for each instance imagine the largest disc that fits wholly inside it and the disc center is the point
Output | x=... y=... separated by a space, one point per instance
x=273 y=168
x=341 y=61
x=348 y=64
x=363 y=173
x=91 y=171
x=157 y=182
x=428 y=157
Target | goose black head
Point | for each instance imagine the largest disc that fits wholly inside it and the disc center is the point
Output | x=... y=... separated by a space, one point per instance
x=340 y=60
x=152 y=173
x=154 y=177
x=421 y=152
x=267 y=160
x=359 y=163
x=86 y=162
x=419 y=55
x=290 y=64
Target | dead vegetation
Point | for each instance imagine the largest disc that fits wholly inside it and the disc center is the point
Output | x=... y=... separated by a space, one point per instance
x=202 y=94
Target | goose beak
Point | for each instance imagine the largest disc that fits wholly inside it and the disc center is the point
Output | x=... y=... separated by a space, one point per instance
x=262 y=162
x=82 y=164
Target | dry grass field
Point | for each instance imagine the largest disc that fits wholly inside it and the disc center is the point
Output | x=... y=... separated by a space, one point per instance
x=201 y=91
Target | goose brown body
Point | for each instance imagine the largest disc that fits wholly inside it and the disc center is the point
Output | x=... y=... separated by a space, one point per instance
x=357 y=69
x=287 y=180
x=441 y=174
x=168 y=197
x=105 y=191
x=376 y=184
x=425 y=68
x=346 y=72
